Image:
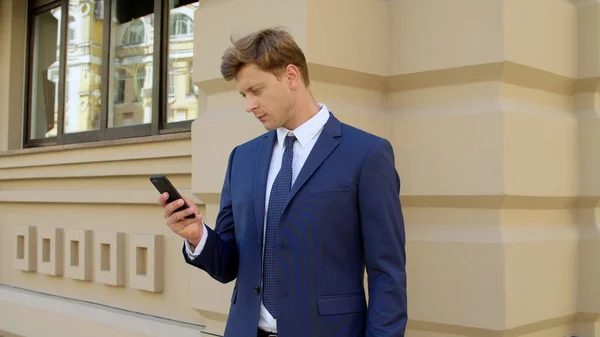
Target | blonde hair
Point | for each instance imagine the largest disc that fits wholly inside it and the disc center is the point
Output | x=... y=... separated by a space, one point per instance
x=270 y=49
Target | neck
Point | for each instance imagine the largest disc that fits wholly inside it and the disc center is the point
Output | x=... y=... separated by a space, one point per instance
x=305 y=108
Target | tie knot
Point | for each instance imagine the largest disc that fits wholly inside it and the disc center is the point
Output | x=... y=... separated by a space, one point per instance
x=289 y=140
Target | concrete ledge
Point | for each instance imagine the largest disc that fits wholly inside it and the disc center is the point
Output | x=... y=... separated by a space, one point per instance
x=76 y=310
x=100 y=144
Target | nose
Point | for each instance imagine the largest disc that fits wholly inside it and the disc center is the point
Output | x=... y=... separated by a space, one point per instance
x=251 y=105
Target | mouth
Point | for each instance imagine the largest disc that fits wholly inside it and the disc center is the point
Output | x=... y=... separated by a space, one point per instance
x=261 y=117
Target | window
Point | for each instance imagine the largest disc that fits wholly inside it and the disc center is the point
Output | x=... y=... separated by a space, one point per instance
x=107 y=69
x=134 y=33
x=181 y=25
x=71 y=29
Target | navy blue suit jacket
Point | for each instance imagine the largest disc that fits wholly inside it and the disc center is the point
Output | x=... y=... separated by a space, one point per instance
x=343 y=215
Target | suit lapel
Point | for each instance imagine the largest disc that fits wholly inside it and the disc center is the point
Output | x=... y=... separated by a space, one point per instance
x=263 y=161
x=326 y=143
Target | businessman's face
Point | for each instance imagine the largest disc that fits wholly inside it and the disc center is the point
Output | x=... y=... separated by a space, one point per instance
x=269 y=98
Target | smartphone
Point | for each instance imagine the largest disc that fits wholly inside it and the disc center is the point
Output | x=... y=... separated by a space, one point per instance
x=163 y=185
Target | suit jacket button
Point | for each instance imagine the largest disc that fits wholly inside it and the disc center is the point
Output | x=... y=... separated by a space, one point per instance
x=257 y=289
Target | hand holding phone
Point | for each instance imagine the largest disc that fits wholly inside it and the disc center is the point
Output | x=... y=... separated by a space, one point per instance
x=180 y=212
x=163 y=185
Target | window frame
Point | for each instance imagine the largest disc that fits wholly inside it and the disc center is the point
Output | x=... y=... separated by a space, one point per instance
x=158 y=124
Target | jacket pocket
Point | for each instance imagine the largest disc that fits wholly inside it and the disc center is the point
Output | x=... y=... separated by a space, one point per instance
x=234 y=295
x=332 y=188
x=341 y=304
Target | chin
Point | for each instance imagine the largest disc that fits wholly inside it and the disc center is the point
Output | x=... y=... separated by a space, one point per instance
x=268 y=126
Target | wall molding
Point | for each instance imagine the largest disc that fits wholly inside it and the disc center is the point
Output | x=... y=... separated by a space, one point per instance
x=467 y=331
x=504 y=72
x=86 y=196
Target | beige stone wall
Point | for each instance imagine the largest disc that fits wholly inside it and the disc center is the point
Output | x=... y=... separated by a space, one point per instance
x=479 y=100
x=492 y=108
x=12 y=34
x=94 y=208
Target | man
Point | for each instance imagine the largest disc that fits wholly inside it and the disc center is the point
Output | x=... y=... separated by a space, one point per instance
x=304 y=209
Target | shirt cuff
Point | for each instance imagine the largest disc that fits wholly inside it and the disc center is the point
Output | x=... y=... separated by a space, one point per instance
x=198 y=250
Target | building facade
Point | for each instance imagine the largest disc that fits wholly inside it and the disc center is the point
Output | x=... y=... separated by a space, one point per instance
x=491 y=106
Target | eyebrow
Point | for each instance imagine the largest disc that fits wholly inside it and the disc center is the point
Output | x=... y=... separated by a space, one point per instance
x=251 y=88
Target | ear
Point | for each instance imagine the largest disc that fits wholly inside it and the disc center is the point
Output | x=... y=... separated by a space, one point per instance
x=292 y=76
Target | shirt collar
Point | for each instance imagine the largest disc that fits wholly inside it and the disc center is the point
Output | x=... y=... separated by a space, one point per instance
x=307 y=131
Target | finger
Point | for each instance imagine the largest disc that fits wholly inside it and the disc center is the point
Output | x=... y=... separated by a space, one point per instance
x=162 y=199
x=189 y=229
x=191 y=204
x=198 y=217
x=186 y=212
x=179 y=216
x=171 y=207
x=179 y=225
x=175 y=224
x=189 y=222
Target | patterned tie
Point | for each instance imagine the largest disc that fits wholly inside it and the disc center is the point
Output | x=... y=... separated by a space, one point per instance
x=279 y=193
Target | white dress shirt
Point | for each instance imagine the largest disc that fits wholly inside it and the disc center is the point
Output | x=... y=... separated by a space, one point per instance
x=306 y=135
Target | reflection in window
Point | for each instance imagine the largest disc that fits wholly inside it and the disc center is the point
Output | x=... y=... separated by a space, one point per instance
x=130 y=67
x=134 y=33
x=181 y=24
x=171 y=91
x=120 y=90
x=127 y=119
x=84 y=66
x=192 y=89
x=44 y=81
x=140 y=81
x=180 y=115
x=182 y=101
x=132 y=56
x=71 y=29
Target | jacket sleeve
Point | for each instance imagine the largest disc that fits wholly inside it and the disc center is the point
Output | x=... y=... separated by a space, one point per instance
x=219 y=256
x=384 y=243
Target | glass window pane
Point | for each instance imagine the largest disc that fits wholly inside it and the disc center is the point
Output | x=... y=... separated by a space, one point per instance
x=84 y=66
x=182 y=94
x=131 y=63
x=44 y=81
